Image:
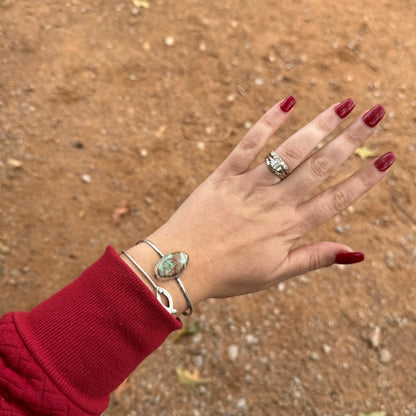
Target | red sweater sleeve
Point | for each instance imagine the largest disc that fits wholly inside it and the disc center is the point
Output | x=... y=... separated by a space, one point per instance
x=70 y=352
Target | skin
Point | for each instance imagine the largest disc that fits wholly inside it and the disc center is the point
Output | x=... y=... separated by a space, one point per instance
x=240 y=226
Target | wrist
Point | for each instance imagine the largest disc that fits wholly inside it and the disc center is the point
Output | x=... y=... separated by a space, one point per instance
x=146 y=257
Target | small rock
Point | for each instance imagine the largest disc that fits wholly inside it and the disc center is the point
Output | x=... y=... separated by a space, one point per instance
x=14 y=163
x=78 y=145
x=259 y=81
x=248 y=124
x=86 y=178
x=242 y=404
x=200 y=146
x=198 y=361
x=384 y=356
x=326 y=348
x=314 y=356
x=251 y=339
x=233 y=352
x=231 y=97
x=143 y=152
x=339 y=229
x=375 y=337
x=389 y=260
x=281 y=287
x=169 y=41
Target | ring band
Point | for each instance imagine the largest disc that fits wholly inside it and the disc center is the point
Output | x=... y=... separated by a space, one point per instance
x=276 y=165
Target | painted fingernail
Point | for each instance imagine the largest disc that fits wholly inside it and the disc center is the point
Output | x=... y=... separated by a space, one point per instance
x=385 y=161
x=344 y=108
x=374 y=116
x=349 y=257
x=287 y=104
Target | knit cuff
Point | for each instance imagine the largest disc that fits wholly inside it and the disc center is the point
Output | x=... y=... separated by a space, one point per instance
x=92 y=334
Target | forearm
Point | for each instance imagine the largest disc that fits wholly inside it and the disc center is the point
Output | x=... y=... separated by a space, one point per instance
x=93 y=333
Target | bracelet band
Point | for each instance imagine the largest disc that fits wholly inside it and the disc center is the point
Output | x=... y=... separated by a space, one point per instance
x=176 y=263
x=159 y=290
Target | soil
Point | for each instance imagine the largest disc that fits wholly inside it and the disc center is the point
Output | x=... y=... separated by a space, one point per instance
x=111 y=113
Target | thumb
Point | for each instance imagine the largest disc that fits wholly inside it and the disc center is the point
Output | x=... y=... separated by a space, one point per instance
x=317 y=255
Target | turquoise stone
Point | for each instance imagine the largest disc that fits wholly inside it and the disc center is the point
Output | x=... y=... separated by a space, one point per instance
x=172 y=265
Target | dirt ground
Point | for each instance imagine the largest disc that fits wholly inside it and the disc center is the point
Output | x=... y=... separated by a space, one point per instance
x=111 y=113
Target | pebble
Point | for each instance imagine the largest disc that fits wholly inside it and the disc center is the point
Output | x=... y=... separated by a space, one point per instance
x=251 y=339
x=86 y=178
x=314 y=356
x=384 y=356
x=14 y=163
x=242 y=404
x=143 y=152
x=389 y=260
x=169 y=41
x=326 y=348
x=200 y=146
x=375 y=337
x=259 y=81
x=339 y=229
x=198 y=361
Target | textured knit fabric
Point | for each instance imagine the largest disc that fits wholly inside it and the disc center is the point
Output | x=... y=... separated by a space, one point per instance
x=69 y=353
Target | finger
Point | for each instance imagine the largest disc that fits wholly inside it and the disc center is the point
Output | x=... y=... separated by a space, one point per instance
x=324 y=162
x=334 y=200
x=295 y=149
x=244 y=154
x=316 y=256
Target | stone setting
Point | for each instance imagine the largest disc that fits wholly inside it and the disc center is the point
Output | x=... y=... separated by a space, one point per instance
x=171 y=266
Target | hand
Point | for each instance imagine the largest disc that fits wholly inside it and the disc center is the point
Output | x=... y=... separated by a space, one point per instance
x=240 y=225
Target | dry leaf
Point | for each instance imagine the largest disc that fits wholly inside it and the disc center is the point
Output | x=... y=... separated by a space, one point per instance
x=141 y=3
x=190 y=378
x=365 y=152
x=187 y=330
x=120 y=211
x=379 y=413
x=4 y=249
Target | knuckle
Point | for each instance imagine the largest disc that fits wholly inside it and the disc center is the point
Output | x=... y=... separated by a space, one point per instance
x=339 y=200
x=315 y=260
x=250 y=142
x=292 y=151
x=356 y=135
x=268 y=121
x=324 y=124
x=321 y=166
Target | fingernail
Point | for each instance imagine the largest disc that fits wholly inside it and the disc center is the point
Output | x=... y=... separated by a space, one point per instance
x=287 y=104
x=374 y=116
x=385 y=161
x=349 y=257
x=344 y=108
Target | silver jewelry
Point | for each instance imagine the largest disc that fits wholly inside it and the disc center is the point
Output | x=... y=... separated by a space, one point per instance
x=276 y=165
x=159 y=290
x=171 y=266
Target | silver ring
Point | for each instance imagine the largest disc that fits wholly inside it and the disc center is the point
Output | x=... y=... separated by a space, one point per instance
x=277 y=165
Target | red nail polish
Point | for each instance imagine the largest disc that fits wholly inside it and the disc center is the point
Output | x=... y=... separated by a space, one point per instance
x=287 y=104
x=349 y=257
x=385 y=161
x=344 y=108
x=374 y=116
